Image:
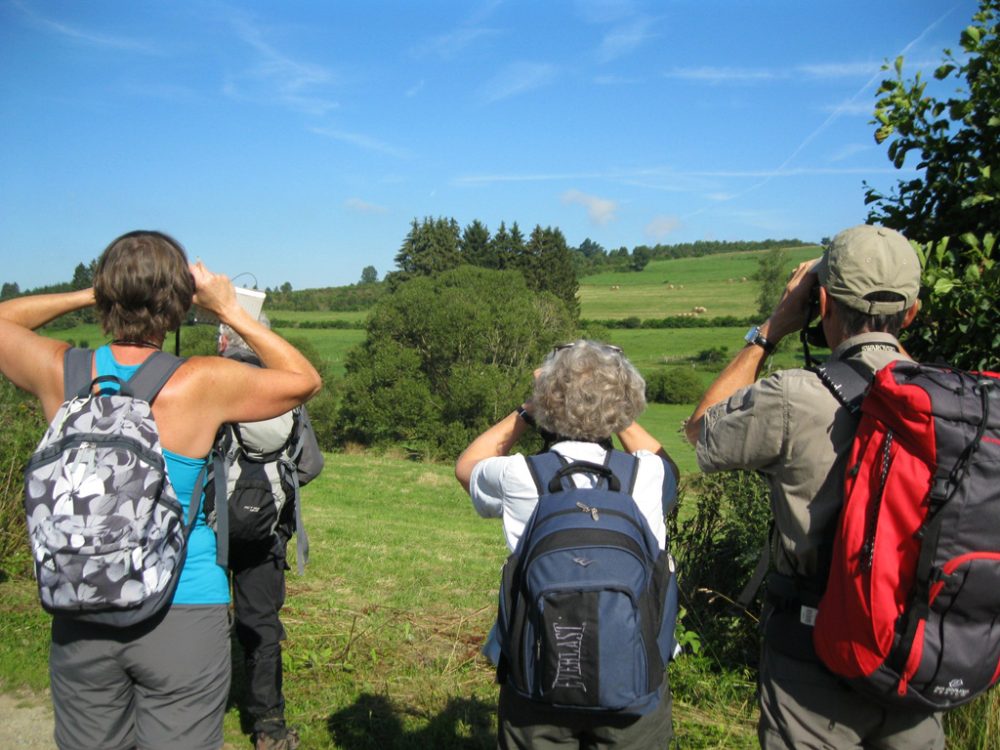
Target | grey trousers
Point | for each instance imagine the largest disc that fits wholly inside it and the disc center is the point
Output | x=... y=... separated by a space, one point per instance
x=803 y=706
x=524 y=725
x=157 y=686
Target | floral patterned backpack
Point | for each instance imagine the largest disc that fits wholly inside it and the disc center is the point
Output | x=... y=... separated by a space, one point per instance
x=108 y=534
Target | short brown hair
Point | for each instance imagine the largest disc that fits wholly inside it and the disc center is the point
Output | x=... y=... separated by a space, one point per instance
x=143 y=285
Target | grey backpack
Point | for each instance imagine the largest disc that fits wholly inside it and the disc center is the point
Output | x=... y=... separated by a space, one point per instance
x=265 y=464
x=108 y=534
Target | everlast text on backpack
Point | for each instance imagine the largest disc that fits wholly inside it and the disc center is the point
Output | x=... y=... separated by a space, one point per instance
x=588 y=600
x=107 y=531
x=912 y=604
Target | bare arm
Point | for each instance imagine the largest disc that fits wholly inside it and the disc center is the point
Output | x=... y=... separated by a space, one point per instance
x=788 y=317
x=635 y=438
x=496 y=441
x=31 y=361
x=245 y=393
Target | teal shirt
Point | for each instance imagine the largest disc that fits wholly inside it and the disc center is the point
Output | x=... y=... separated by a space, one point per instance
x=202 y=580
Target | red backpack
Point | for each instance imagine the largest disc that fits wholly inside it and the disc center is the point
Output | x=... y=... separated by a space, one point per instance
x=911 y=611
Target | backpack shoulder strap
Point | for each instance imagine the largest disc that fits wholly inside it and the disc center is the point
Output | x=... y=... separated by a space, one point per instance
x=153 y=374
x=625 y=466
x=847 y=380
x=544 y=466
x=77 y=367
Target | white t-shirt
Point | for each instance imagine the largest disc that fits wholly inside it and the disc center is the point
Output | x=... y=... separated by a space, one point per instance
x=502 y=487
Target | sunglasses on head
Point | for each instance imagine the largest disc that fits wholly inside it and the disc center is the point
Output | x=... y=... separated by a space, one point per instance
x=609 y=347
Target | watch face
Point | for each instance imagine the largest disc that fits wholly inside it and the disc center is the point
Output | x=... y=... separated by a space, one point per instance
x=752 y=334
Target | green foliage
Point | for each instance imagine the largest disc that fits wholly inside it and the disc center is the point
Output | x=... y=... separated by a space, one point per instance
x=351 y=298
x=547 y=266
x=772 y=277
x=430 y=247
x=714 y=355
x=717 y=545
x=24 y=423
x=952 y=208
x=976 y=725
x=641 y=256
x=674 y=385
x=369 y=275
x=446 y=356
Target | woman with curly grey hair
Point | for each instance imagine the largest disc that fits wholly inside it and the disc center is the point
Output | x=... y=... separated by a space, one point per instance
x=585 y=394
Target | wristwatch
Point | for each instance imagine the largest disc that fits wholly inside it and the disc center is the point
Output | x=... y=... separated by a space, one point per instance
x=526 y=416
x=754 y=336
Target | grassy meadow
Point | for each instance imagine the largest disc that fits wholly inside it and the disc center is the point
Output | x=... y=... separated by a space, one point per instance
x=723 y=284
x=384 y=629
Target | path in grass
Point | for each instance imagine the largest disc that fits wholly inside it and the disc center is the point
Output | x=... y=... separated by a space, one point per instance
x=26 y=721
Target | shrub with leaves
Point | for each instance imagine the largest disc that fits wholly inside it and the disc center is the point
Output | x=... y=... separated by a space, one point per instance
x=446 y=356
x=952 y=208
x=23 y=422
x=674 y=385
x=717 y=547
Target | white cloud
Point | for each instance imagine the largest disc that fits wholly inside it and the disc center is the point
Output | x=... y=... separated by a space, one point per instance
x=299 y=85
x=85 y=36
x=661 y=226
x=852 y=108
x=599 y=210
x=363 y=207
x=841 y=69
x=711 y=74
x=518 y=78
x=849 y=150
x=450 y=45
x=624 y=39
x=361 y=141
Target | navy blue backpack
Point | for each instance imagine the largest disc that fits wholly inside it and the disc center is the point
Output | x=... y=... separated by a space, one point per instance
x=588 y=600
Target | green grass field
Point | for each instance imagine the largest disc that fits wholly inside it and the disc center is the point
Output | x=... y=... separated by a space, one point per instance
x=384 y=629
x=723 y=284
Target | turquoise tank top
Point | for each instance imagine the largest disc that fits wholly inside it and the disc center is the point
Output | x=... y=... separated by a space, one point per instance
x=202 y=580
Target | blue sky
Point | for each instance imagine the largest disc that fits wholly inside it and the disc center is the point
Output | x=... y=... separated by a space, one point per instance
x=297 y=140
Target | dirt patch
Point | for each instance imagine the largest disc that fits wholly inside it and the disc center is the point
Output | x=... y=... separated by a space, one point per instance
x=26 y=721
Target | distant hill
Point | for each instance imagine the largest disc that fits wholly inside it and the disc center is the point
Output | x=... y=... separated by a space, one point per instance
x=706 y=277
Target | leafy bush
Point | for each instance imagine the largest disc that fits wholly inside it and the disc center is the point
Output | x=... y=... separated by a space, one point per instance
x=714 y=355
x=952 y=206
x=23 y=422
x=675 y=385
x=446 y=356
x=717 y=547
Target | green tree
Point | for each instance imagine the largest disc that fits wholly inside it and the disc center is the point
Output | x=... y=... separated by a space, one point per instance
x=547 y=265
x=369 y=275
x=772 y=276
x=641 y=256
x=83 y=275
x=430 y=247
x=951 y=209
x=474 y=246
x=444 y=357
x=500 y=252
x=9 y=289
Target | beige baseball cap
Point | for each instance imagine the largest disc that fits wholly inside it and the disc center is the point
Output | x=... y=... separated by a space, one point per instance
x=866 y=259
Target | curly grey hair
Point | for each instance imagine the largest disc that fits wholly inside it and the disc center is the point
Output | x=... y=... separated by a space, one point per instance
x=235 y=342
x=587 y=391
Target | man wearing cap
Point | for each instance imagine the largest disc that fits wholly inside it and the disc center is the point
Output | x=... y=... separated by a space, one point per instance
x=791 y=429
